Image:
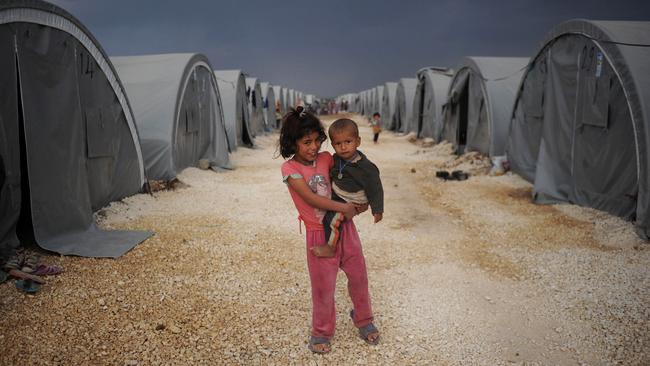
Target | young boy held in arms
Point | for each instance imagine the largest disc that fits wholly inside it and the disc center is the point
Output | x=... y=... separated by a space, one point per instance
x=355 y=179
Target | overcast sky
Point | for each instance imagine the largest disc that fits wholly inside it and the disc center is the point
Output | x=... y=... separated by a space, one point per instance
x=334 y=47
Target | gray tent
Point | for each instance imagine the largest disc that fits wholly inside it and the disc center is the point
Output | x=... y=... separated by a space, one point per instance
x=300 y=98
x=285 y=95
x=388 y=104
x=358 y=105
x=580 y=127
x=378 y=97
x=366 y=102
x=232 y=89
x=176 y=104
x=479 y=103
x=292 y=98
x=279 y=98
x=430 y=96
x=351 y=99
x=68 y=142
x=255 y=105
x=268 y=97
x=367 y=105
x=404 y=104
x=361 y=106
x=372 y=101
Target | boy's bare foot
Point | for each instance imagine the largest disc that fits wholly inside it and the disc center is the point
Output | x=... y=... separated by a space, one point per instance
x=323 y=251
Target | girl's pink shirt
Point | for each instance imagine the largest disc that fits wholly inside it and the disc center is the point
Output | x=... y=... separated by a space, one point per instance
x=317 y=178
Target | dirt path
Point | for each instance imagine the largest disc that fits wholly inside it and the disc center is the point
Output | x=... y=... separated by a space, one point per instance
x=460 y=273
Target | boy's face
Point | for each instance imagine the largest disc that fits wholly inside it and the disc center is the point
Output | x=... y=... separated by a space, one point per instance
x=375 y=117
x=345 y=143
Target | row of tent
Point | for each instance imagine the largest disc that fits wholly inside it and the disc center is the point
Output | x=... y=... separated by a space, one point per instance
x=79 y=130
x=574 y=119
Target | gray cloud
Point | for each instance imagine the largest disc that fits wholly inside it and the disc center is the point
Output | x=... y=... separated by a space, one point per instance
x=333 y=47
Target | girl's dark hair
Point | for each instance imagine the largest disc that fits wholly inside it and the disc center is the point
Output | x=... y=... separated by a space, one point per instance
x=295 y=125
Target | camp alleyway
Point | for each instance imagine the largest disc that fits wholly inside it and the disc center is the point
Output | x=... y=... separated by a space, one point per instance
x=460 y=273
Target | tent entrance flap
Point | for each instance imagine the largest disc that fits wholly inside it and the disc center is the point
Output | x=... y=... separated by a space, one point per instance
x=463 y=106
x=246 y=135
x=25 y=226
x=420 y=110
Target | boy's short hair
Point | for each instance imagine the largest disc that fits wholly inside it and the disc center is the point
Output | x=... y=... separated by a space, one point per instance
x=376 y=114
x=343 y=124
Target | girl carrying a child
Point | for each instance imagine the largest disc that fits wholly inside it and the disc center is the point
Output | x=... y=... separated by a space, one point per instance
x=306 y=173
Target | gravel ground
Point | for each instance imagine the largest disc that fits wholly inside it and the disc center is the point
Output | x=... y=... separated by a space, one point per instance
x=460 y=273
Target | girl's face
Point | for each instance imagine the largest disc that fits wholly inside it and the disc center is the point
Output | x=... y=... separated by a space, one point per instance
x=307 y=148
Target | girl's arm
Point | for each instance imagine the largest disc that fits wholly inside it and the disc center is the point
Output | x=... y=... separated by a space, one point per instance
x=323 y=203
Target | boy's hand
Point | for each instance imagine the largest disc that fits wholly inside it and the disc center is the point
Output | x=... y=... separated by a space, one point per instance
x=362 y=208
x=378 y=217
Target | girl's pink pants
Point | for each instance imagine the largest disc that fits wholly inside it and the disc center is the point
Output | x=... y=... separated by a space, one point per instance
x=322 y=273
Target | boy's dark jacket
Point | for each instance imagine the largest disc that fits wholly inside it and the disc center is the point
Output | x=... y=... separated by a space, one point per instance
x=362 y=175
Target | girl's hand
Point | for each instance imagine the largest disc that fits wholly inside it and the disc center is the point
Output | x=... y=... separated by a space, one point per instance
x=313 y=199
x=350 y=211
x=378 y=217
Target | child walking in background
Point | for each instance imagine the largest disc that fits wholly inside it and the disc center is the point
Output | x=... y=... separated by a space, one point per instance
x=278 y=117
x=376 y=126
x=307 y=175
x=355 y=179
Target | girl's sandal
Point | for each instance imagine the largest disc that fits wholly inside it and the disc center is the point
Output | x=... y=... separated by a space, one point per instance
x=313 y=341
x=366 y=331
